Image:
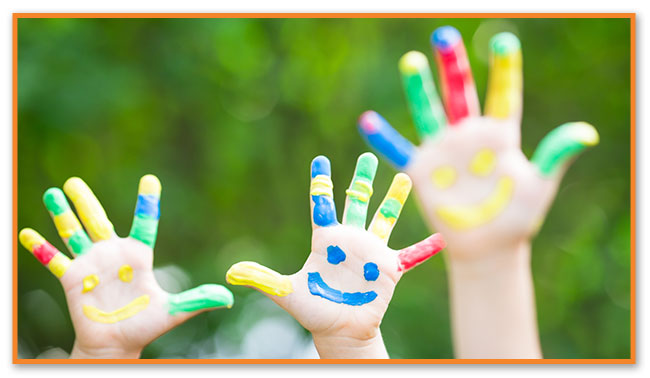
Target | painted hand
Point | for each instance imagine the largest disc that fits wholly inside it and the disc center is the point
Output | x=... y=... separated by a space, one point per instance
x=115 y=303
x=474 y=184
x=344 y=288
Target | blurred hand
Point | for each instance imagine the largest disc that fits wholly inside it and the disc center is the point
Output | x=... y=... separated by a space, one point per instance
x=477 y=188
x=115 y=303
x=343 y=290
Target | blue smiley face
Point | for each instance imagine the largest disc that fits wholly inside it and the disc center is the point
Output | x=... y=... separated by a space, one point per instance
x=318 y=287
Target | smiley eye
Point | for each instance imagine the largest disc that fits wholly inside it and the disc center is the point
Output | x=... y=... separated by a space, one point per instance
x=443 y=177
x=483 y=162
x=335 y=255
x=370 y=271
x=125 y=273
x=89 y=283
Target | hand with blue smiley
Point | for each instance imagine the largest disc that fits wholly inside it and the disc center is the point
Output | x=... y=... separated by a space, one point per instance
x=343 y=290
x=114 y=300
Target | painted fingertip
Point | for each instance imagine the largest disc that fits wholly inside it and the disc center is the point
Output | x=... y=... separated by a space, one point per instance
x=400 y=188
x=248 y=273
x=583 y=133
x=504 y=43
x=74 y=186
x=200 y=298
x=149 y=184
x=445 y=37
x=320 y=166
x=55 y=201
x=381 y=136
x=369 y=122
x=30 y=239
x=367 y=166
x=413 y=62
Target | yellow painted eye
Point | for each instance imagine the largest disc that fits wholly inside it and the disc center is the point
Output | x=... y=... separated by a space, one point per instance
x=483 y=162
x=443 y=177
x=125 y=273
x=89 y=283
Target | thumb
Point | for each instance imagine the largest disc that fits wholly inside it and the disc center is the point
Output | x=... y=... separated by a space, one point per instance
x=192 y=302
x=274 y=285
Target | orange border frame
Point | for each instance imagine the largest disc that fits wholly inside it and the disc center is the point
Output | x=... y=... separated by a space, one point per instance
x=631 y=16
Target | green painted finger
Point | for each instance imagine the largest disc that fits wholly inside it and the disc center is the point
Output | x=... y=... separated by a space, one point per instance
x=147 y=211
x=66 y=222
x=562 y=144
x=199 y=298
x=425 y=105
x=360 y=191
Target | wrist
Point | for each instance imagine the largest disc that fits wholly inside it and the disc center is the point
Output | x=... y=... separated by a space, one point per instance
x=488 y=261
x=80 y=352
x=341 y=347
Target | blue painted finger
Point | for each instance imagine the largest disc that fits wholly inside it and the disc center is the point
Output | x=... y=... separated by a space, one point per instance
x=381 y=136
x=321 y=191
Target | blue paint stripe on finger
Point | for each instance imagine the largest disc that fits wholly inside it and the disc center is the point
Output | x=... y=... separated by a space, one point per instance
x=324 y=211
x=148 y=206
x=386 y=140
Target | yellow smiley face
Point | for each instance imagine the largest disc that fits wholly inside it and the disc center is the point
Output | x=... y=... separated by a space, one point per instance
x=125 y=274
x=464 y=217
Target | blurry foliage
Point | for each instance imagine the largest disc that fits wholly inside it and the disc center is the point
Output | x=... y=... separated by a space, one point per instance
x=228 y=114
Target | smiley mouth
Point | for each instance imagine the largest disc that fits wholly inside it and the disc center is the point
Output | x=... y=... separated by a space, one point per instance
x=465 y=217
x=125 y=312
x=319 y=288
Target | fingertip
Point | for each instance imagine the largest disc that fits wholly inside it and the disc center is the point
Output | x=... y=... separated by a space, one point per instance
x=504 y=43
x=367 y=165
x=584 y=133
x=438 y=242
x=413 y=62
x=29 y=238
x=73 y=186
x=55 y=201
x=402 y=186
x=149 y=184
x=369 y=122
x=445 y=37
x=320 y=166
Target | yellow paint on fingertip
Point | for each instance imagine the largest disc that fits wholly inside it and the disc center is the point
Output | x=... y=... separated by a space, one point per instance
x=30 y=239
x=444 y=177
x=483 y=162
x=122 y=313
x=125 y=273
x=505 y=85
x=585 y=133
x=321 y=185
x=464 y=217
x=89 y=283
x=412 y=62
x=67 y=224
x=149 y=184
x=400 y=188
x=249 y=273
x=59 y=264
x=90 y=210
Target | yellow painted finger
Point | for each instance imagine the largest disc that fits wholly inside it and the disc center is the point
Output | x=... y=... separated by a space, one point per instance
x=90 y=211
x=504 y=94
x=252 y=274
x=389 y=210
x=44 y=252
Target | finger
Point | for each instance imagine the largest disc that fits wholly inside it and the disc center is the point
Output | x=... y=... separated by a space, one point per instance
x=147 y=211
x=504 y=94
x=360 y=191
x=384 y=221
x=382 y=137
x=424 y=103
x=203 y=297
x=261 y=278
x=322 y=196
x=67 y=224
x=456 y=81
x=418 y=253
x=45 y=252
x=561 y=145
x=90 y=211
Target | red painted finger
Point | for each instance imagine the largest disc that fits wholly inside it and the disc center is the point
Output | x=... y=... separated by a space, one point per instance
x=412 y=256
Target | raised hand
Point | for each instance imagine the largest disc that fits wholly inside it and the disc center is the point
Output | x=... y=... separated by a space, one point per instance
x=115 y=303
x=343 y=290
x=476 y=187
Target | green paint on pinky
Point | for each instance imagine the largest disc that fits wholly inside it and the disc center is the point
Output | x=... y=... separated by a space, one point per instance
x=199 y=298
x=562 y=144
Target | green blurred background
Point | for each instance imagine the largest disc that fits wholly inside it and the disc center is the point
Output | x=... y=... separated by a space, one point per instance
x=228 y=113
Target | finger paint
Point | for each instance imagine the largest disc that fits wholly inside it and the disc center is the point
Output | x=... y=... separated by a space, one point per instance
x=321 y=191
x=483 y=162
x=424 y=103
x=147 y=211
x=335 y=255
x=389 y=210
x=505 y=82
x=562 y=144
x=465 y=217
x=248 y=273
x=66 y=222
x=319 y=288
x=360 y=191
x=370 y=271
x=132 y=308
x=89 y=283
x=44 y=252
x=443 y=177
x=418 y=253
x=90 y=211
x=125 y=273
x=456 y=81
x=381 y=136
x=199 y=298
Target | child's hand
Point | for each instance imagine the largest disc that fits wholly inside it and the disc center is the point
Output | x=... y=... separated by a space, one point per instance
x=476 y=187
x=115 y=303
x=343 y=290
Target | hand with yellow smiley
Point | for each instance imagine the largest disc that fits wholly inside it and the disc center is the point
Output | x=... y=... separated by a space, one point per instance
x=477 y=188
x=343 y=290
x=115 y=303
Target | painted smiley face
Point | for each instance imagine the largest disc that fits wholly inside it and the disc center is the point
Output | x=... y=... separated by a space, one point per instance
x=465 y=217
x=125 y=274
x=318 y=287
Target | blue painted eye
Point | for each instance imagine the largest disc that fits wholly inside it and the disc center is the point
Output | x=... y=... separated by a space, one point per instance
x=370 y=271
x=335 y=254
